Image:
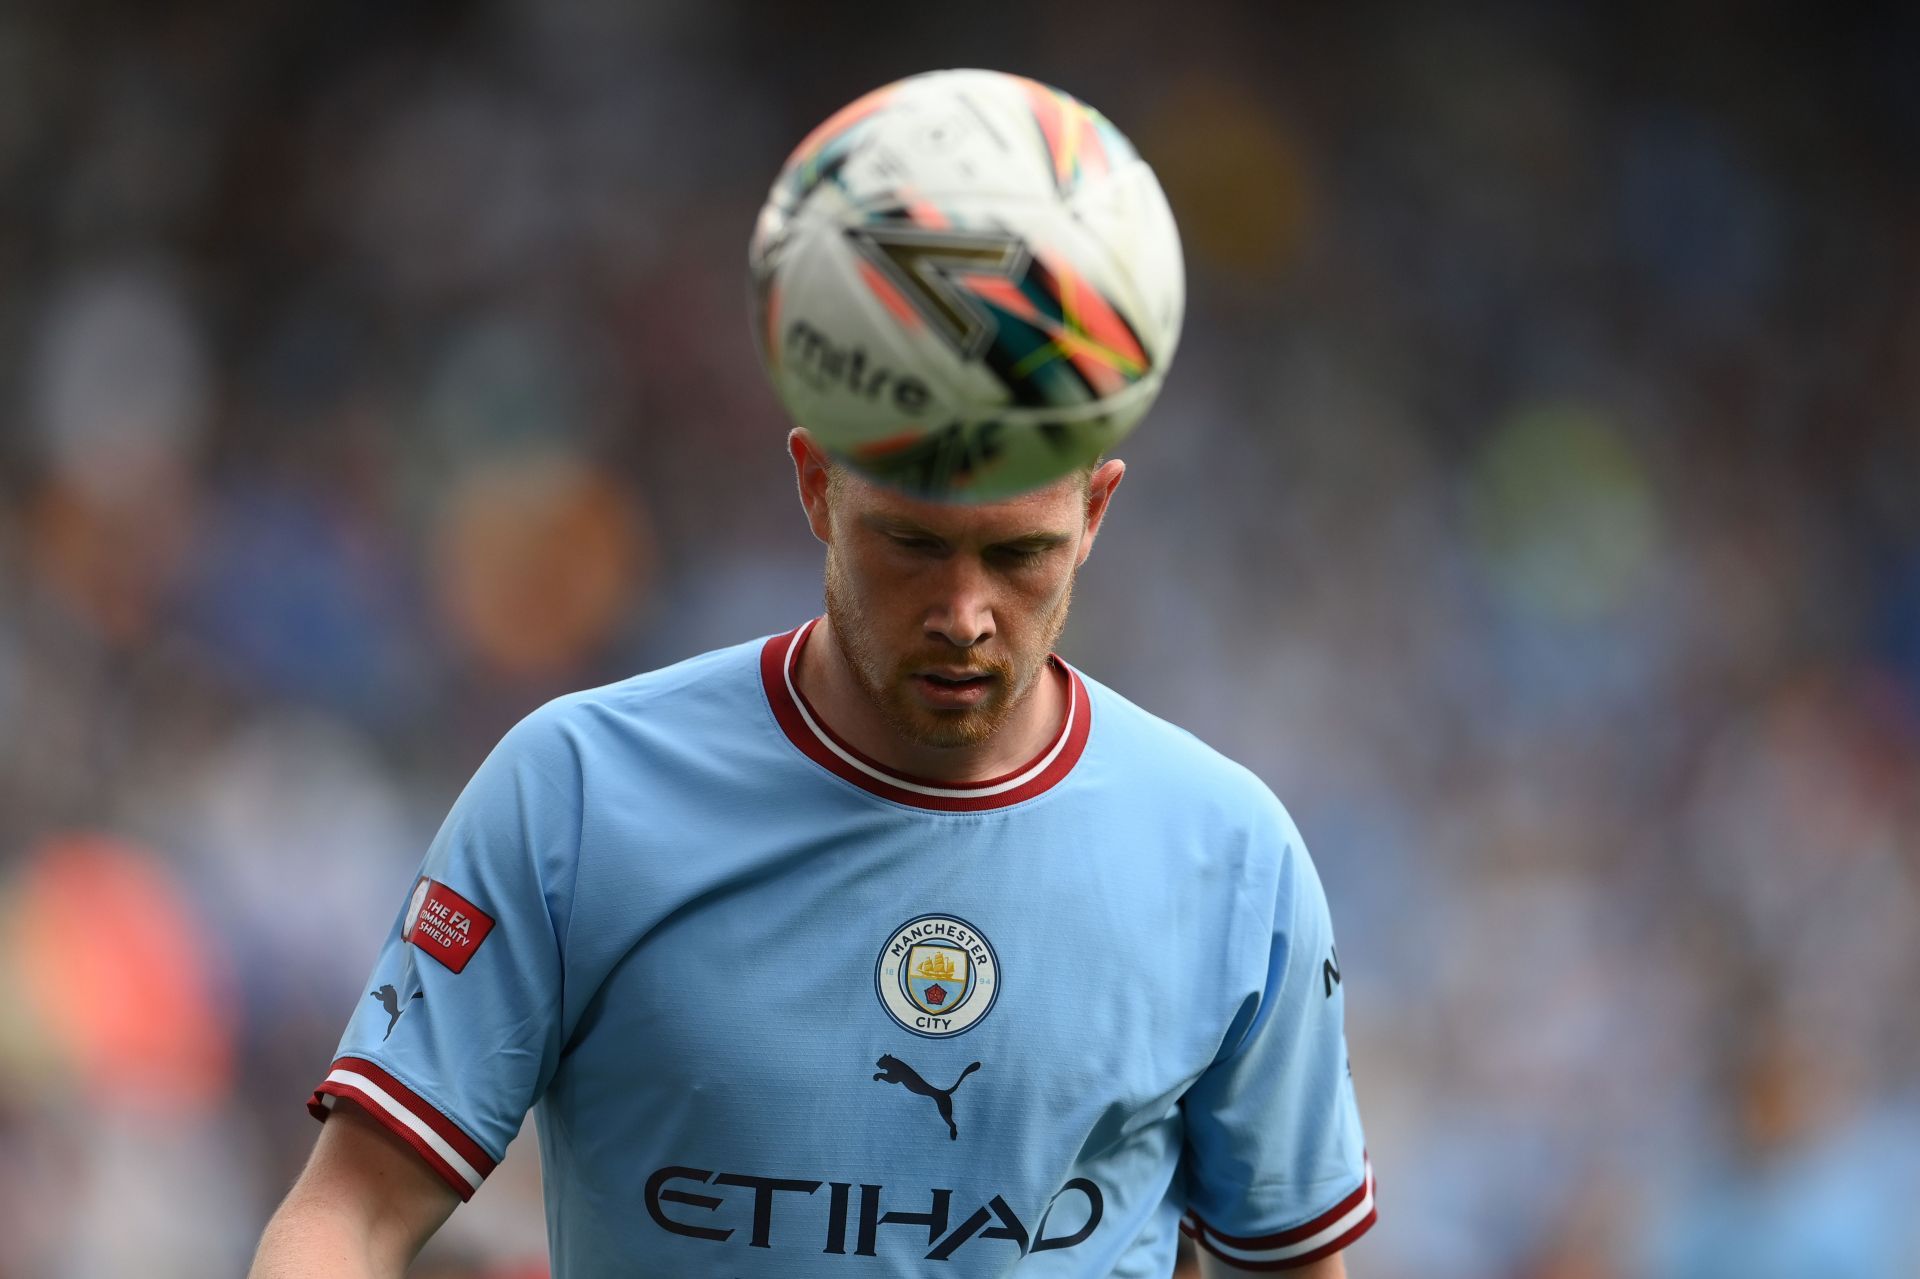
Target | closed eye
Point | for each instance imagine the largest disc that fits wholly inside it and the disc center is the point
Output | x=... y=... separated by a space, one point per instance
x=1019 y=556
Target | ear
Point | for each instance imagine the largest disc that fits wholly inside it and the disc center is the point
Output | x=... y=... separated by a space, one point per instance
x=811 y=472
x=1100 y=488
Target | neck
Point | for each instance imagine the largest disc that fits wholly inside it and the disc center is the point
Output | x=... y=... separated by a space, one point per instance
x=826 y=678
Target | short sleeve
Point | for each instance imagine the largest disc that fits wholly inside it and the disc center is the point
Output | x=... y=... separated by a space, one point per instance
x=459 y=1029
x=1276 y=1168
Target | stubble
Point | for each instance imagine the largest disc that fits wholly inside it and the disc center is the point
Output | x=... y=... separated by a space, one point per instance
x=883 y=677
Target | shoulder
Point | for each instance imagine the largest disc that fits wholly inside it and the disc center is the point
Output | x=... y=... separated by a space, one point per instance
x=1191 y=806
x=711 y=684
x=686 y=704
x=615 y=739
x=1164 y=759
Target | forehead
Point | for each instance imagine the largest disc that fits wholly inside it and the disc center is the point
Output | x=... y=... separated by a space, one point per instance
x=1058 y=508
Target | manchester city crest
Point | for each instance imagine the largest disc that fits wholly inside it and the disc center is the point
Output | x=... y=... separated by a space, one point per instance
x=937 y=975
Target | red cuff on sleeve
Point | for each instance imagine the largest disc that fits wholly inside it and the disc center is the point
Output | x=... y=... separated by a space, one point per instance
x=457 y=1157
x=1332 y=1231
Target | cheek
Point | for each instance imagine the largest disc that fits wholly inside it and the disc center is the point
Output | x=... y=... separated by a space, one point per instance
x=1043 y=595
x=870 y=579
x=1056 y=582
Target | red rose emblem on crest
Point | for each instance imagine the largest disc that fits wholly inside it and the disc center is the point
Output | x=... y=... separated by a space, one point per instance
x=936 y=995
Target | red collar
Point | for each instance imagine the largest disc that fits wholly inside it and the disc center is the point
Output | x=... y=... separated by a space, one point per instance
x=804 y=727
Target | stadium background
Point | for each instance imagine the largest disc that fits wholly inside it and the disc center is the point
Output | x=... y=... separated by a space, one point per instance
x=1534 y=504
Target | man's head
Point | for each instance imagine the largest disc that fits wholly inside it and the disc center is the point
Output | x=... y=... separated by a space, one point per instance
x=946 y=613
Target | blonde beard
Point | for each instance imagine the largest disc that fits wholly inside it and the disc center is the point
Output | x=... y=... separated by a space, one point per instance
x=887 y=694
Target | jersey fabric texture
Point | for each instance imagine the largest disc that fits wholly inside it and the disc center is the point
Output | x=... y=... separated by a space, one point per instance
x=785 y=1013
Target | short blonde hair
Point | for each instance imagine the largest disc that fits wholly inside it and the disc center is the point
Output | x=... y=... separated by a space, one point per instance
x=837 y=472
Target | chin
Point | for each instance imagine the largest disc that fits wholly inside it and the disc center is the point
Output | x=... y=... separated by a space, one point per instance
x=945 y=730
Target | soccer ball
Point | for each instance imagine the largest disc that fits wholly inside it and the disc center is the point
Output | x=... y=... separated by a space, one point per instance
x=967 y=284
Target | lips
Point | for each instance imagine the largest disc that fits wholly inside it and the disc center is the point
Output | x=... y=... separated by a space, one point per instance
x=952 y=689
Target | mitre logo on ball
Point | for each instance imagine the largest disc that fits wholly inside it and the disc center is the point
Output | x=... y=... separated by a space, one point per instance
x=967 y=285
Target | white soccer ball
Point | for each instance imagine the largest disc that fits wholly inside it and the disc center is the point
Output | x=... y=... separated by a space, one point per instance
x=967 y=285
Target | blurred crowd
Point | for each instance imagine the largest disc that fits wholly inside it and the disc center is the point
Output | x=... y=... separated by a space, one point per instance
x=1534 y=504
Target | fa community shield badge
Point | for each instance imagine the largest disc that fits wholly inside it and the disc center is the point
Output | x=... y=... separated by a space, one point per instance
x=937 y=976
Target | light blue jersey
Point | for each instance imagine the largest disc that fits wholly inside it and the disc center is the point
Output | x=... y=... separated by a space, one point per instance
x=785 y=1013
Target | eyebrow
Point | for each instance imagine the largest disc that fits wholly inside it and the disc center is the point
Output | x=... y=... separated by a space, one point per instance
x=1037 y=540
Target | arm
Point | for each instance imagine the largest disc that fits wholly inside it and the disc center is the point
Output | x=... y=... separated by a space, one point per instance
x=1326 y=1268
x=1278 y=1174
x=362 y=1209
x=457 y=1034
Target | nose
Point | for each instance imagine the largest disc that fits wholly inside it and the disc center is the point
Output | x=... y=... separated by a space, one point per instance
x=963 y=613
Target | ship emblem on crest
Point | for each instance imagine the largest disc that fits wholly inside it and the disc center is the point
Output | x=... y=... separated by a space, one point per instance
x=937 y=975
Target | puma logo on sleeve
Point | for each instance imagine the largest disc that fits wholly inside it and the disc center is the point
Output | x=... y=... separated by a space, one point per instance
x=390 y=1000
